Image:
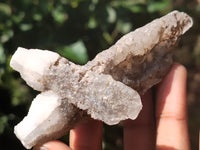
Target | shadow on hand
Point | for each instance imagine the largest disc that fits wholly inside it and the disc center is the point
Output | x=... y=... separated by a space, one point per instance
x=163 y=147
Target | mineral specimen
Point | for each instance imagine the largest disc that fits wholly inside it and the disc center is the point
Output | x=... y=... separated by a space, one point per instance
x=108 y=88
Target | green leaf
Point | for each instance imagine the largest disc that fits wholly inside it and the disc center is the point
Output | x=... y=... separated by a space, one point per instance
x=3 y=123
x=124 y=27
x=37 y=17
x=7 y=34
x=18 y=17
x=111 y=15
x=118 y=3
x=5 y=9
x=92 y=23
x=108 y=37
x=2 y=55
x=2 y=62
x=59 y=15
x=26 y=27
x=158 y=6
x=64 y=1
x=19 y=91
x=76 y=52
x=135 y=8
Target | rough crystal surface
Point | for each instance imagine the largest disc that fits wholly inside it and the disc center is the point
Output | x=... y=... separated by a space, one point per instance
x=99 y=94
x=107 y=88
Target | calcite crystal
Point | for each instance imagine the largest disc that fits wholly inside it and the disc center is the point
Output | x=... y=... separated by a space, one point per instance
x=108 y=88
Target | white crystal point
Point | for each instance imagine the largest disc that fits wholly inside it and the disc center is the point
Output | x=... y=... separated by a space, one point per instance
x=45 y=118
x=31 y=64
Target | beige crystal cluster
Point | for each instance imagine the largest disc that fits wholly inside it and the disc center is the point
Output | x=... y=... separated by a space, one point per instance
x=108 y=88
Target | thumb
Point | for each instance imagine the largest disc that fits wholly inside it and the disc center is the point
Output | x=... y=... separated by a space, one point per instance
x=52 y=145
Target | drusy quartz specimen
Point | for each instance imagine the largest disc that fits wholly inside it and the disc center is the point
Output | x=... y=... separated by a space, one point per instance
x=108 y=88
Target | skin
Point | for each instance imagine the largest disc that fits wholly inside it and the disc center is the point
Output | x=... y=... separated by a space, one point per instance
x=161 y=125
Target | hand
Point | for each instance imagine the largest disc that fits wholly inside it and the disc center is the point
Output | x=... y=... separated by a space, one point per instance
x=161 y=125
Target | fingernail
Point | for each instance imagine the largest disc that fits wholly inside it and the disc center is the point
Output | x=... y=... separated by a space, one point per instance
x=40 y=148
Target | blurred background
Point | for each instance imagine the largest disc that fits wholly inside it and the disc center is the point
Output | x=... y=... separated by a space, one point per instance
x=78 y=30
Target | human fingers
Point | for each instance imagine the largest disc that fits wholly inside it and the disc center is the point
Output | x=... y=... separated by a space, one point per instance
x=140 y=133
x=52 y=145
x=171 y=114
x=87 y=136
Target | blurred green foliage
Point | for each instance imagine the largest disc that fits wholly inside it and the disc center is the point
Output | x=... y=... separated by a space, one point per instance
x=78 y=30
